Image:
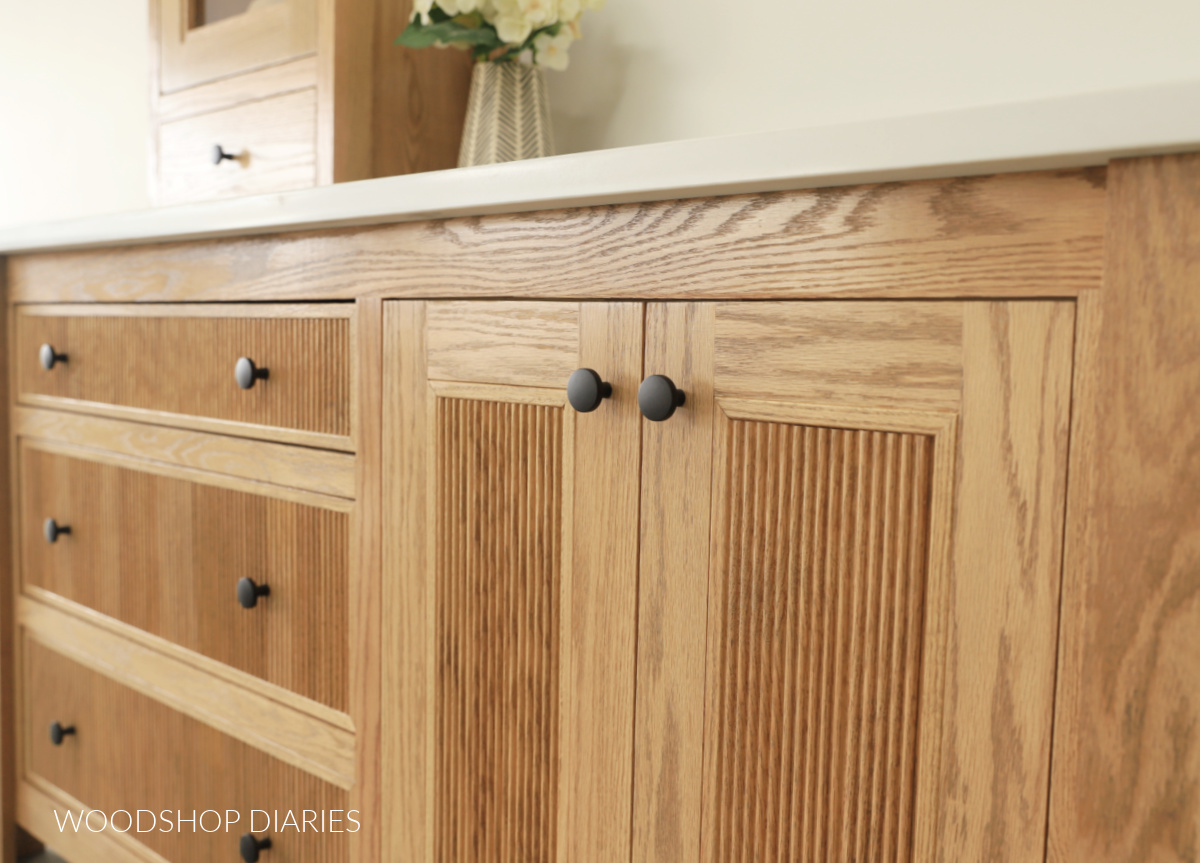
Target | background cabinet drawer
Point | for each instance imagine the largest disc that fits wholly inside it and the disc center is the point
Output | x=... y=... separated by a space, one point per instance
x=165 y=555
x=165 y=363
x=273 y=141
x=130 y=752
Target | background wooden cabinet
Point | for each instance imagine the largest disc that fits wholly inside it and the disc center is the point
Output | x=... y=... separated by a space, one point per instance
x=844 y=549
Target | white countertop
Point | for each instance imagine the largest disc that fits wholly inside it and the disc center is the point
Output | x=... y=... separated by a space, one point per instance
x=1072 y=131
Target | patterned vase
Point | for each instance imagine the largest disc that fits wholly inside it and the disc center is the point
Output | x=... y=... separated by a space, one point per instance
x=508 y=115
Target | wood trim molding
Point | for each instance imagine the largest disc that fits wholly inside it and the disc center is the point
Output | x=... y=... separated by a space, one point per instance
x=318 y=471
x=228 y=92
x=38 y=801
x=302 y=733
x=1003 y=236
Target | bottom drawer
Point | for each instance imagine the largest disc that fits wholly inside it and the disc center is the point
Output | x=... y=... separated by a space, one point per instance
x=129 y=752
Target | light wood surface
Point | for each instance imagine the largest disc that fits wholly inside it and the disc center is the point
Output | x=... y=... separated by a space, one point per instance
x=876 y=682
x=117 y=726
x=302 y=733
x=420 y=99
x=165 y=555
x=345 y=61
x=1016 y=235
x=39 y=803
x=272 y=140
x=366 y=588
x=516 y=486
x=1126 y=757
x=8 y=588
x=268 y=34
x=264 y=83
x=318 y=471
x=139 y=362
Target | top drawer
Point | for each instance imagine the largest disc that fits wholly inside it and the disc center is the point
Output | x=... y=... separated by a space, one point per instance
x=175 y=365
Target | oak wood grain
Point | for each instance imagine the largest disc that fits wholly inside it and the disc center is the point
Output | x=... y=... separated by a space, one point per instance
x=1014 y=235
x=877 y=354
x=135 y=360
x=676 y=499
x=345 y=90
x=366 y=588
x=1127 y=734
x=313 y=470
x=407 y=677
x=512 y=343
x=39 y=802
x=1004 y=590
x=165 y=555
x=294 y=730
x=8 y=591
x=117 y=726
x=272 y=140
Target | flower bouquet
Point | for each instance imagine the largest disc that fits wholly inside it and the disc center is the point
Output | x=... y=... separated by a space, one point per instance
x=508 y=111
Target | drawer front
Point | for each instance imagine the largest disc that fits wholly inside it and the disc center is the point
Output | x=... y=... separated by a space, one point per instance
x=165 y=555
x=273 y=140
x=130 y=752
x=180 y=361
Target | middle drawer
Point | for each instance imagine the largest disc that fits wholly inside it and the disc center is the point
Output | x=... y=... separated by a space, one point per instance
x=166 y=555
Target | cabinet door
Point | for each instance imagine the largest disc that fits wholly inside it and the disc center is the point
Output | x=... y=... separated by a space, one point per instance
x=202 y=40
x=850 y=568
x=510 y=575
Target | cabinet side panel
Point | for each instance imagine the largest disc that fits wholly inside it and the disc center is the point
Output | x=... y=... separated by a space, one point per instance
x=8 y=562
x=1127 y=733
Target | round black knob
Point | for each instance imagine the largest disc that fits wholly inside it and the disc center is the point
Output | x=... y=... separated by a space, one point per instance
x=248 y=592
x=247 y=373
x=58 y=731
x=250 y=846
x=658 y=397
x=220 y=154
x=585 y=390
x=53 y=530
x=47 y=356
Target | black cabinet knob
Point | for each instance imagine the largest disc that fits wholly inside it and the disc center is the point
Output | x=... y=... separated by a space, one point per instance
x=658 y=397
x=47 y=356
x=220 y=154
x=585 y=390
x=58 y=732
x=53 y=530
x=251 y=845
x=247 y=373
x=248 y=592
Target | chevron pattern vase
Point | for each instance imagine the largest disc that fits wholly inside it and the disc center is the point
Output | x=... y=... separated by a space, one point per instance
x=508 y=115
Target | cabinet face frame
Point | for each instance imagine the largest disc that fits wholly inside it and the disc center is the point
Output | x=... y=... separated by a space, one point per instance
x=271 y=34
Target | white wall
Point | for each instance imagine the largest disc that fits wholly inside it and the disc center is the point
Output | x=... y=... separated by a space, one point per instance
x=73 y=88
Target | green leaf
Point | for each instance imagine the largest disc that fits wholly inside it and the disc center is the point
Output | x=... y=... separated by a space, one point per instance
x=420 y=35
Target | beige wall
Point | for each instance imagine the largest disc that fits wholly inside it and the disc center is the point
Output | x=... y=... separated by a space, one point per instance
x=73 y=106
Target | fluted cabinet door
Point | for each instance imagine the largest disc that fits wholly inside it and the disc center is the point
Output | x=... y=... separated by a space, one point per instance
x=510 y=575
x=849 y=582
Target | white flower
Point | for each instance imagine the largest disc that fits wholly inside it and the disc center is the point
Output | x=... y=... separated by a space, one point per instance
x=422 y=8
x=551 y=51
x=514 y=20
x=458 y=7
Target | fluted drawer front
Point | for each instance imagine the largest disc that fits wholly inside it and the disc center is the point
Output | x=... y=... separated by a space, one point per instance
x=181 y=361
x=165 y=555
x=814 y=667
x=130 y=752
x=499 y=547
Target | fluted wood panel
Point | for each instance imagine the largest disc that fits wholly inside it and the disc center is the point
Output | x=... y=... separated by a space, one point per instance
x=165 y=555
x=185 y=365
x=498 y=552
x=131 y=752
x=814 y=661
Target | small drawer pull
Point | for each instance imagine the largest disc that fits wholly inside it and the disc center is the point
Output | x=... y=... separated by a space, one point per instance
x=247 y=373
x=220 y=154
x=53 y=530
x=58 y=732
x=48 y=357
x=658 y=397
x=248 y=592
x=251 y=845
